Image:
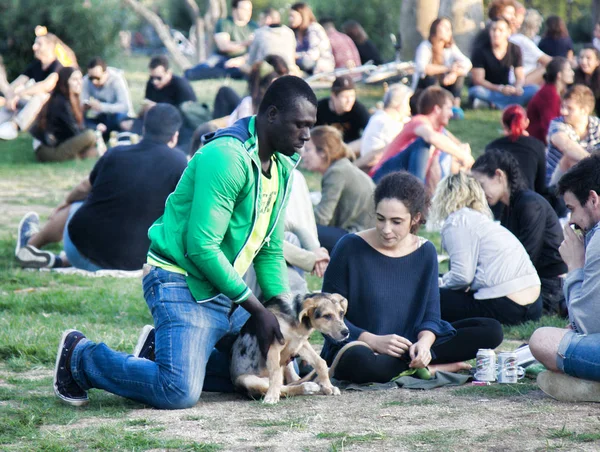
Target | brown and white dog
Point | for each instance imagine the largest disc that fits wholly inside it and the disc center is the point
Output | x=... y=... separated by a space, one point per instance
x=275 y=375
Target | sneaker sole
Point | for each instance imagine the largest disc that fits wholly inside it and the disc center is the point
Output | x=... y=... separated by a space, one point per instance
x=72 y=402
x=142 y=339
x=20 y=228
x=34 y=258
x=568 y=389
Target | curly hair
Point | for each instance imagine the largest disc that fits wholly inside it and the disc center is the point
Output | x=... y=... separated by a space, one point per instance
x=407 y=189
x=497 y=159
x=456 y=192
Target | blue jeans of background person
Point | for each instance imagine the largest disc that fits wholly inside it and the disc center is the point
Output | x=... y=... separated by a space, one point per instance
x=412 y=159
x=76 y=259
x=215 y=68
x=112 y=121
x=500 y=100
x=578 y=355
x=186 y=362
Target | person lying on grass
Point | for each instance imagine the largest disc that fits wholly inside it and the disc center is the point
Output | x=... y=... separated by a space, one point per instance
x=390 y=277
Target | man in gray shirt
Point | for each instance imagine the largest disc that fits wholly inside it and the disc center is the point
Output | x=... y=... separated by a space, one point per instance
x=105 y=96
x=572 y=355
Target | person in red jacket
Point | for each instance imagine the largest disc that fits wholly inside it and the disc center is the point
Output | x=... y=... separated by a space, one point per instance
x=545 y=104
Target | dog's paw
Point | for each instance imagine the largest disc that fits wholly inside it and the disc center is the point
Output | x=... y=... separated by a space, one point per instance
x=271 y=399
x=330 y=390
x=311 y=388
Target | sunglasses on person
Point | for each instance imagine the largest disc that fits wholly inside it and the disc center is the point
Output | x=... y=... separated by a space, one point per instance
x=94 y=78
x=156 y=78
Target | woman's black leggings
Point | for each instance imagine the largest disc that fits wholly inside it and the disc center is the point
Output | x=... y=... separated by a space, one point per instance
x=362 y=365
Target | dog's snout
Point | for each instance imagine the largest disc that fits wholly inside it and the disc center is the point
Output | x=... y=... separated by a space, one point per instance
x=345 y=332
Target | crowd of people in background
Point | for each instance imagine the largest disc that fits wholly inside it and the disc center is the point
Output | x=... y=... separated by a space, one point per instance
x=503 y=217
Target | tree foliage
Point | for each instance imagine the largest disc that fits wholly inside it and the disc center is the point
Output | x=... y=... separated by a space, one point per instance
x=89 y=30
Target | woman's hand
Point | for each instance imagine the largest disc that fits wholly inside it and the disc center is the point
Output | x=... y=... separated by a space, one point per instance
x=390 y=344
x=321 y=262
x=420 y=353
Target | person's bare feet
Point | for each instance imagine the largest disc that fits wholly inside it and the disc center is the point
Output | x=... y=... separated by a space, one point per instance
x=450 y=367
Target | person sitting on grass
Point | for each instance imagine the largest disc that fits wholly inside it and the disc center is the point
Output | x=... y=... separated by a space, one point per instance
x=424 y=147
x=574 y=135
x=233 y=36
x=588 y=71
x=528 y=151
x=525 y=28
x=313 y=49
x=225 y=214
x=490 y=273
x=164 y=87
x=367 y=49
x=105 y=96
x=384 y=125
x=346 y=203
x=24 y=99
x=343 y=48
x=272 y=38
x=344 y=112
x=439 y=61
x=103 y=222
x=544 y=106
x=556 y=41
x=529 y=217
x=390 y=277
x=59 y=132
x=492 y=66
x=571 y=354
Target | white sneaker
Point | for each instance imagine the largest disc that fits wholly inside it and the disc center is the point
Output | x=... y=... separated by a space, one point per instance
x=8 y=131
x=479 y=104
x=30 y=257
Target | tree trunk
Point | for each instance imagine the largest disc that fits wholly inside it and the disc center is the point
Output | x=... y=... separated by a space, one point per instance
x=467 y=19
x=163 y=33
x=197 y=32
x=415 y=19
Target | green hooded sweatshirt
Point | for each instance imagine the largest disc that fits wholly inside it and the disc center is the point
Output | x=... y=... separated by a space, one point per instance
x=211 y=214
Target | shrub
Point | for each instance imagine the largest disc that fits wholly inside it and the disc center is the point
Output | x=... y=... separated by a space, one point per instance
x=88 y=30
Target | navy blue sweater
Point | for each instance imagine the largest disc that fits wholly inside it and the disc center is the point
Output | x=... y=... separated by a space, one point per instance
x=386 y=295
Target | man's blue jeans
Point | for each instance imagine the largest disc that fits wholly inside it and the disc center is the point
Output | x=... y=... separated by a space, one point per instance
x=500 y=100
x=579 y=355
x=412 y=159
x=187 y=361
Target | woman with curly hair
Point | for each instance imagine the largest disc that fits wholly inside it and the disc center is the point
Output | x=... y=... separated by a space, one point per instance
x=529 y=217
x=490 y=273
x=389 y=276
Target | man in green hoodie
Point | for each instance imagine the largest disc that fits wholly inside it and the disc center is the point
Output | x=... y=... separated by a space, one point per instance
x=225 y=214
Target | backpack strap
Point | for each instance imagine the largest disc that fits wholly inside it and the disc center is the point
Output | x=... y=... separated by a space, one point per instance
x=239 y=131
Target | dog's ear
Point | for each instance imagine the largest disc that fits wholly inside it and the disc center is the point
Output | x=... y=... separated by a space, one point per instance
x=336 y=297
x=308 y=306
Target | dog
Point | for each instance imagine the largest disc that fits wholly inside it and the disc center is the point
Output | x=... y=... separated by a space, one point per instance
x=275 y=376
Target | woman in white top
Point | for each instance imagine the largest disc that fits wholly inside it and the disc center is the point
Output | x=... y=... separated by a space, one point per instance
x=490 y=273
x=384 y=125
x=439 y=61
x=534 y=60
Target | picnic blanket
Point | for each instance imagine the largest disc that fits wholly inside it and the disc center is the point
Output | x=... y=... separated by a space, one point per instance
x=98 y=274
x=440 y=379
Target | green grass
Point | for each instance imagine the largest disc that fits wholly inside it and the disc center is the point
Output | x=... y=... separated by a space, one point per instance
x=569 y=435
x=344 y=439
x=495 y=391
x=35 y=307
x=433 y=439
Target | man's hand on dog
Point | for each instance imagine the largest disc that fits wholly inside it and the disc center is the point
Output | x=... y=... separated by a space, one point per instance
x=266 y=325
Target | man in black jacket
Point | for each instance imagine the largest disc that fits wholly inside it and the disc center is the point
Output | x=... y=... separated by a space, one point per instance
x=104 y=221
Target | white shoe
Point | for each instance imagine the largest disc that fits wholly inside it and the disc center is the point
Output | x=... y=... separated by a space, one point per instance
x=8 y=131
x=568 y=389
x=479 y=104
x=30 y=257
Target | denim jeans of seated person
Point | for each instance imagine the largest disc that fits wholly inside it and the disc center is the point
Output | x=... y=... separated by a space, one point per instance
x=578 y=355
x=187 y=361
